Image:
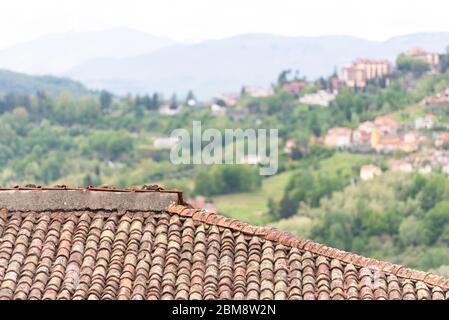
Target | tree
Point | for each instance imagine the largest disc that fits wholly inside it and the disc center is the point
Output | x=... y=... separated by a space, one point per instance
x=444 y=60
x=190 y=99
x=273 y=208
x=87 y=180
x=288 y=207
x=435 y=221
x=174 y=102
x=105 y=99
x=435 y=190
x=314 y=125
x=146 y=102
x=411 y=231
x=227 y=179
x=282 y=78
x=155 y=102
x=411 y=64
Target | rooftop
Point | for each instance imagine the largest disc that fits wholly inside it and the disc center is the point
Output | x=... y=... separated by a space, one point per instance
x=103 y=243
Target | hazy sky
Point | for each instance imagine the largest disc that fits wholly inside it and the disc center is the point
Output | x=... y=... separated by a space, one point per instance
x=194 y=20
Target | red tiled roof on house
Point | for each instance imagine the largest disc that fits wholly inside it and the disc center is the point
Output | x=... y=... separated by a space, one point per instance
x=294 y=87
x=135 y=244
x=371 y=61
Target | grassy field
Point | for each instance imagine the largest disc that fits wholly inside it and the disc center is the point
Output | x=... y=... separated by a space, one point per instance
x=252 y=206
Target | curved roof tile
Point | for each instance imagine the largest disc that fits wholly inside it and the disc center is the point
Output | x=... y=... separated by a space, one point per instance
x=139 y=251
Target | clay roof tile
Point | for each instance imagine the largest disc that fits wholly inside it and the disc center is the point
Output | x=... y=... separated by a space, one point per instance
x=152 y=246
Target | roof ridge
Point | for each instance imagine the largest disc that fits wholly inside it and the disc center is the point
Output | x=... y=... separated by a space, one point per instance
x=72 y=198
x=287 y=239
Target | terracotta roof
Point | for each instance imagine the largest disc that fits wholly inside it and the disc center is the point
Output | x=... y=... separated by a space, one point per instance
x=371 y=61
x=175 y=253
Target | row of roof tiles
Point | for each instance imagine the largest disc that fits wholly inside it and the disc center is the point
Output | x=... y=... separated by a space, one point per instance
x=184 y=253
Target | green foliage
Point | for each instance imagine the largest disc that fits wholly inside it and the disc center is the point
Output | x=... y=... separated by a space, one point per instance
x=411 y=231
x=105 y=99
x=433 y=191
x=227 y=179
x=317 y=180
x=434 y=258
x=406 y=63
x=19 y=83
x=444 y=60
x=435 y=222
x=109 y=146
x=390 y=217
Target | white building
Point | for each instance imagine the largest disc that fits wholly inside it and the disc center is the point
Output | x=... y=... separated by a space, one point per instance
x=427 y=122
x=165 y=143
x=320 y=98
x=258 y=92
x=166 y=110
x=368 y=172
x=217 y=110
x=401 y=165
x=338 y=137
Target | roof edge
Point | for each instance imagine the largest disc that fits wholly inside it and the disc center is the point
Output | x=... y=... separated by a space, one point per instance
x=290 y=240
x=66 y=199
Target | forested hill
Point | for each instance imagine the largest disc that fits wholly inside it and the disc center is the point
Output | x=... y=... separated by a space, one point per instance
x=20 y=83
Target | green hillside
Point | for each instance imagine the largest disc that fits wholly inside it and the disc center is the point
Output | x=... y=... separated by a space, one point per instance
x=20 y=83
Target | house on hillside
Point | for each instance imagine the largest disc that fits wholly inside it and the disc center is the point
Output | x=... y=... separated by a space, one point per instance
x=363 y=70
x=228 y=100
x=388 y=144
x=429 y=121
x=148 y=244
x=362 y=135
x=438 y=99
x=321 y=98
x=294 y=88
x=257 y=92
x=442 y=140
x=415 y=138
x=430 y=58
x=386 y=125
x=168 y=110
x=339 y=137
x=290 y=144
x=369 y=171
x=401 y=165
x=217 y=110
x=440 y=158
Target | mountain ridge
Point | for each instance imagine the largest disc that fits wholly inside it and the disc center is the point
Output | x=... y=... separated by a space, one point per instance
x=56 y=53
x=224 y=65
x=209 y=67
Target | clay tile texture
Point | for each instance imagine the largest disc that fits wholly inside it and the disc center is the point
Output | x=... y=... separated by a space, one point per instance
x=103 y=243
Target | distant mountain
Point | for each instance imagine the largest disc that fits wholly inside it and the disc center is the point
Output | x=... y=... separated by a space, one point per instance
x=19 y=83
x=123 y=60
x=55 y=54
x=218 y=66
